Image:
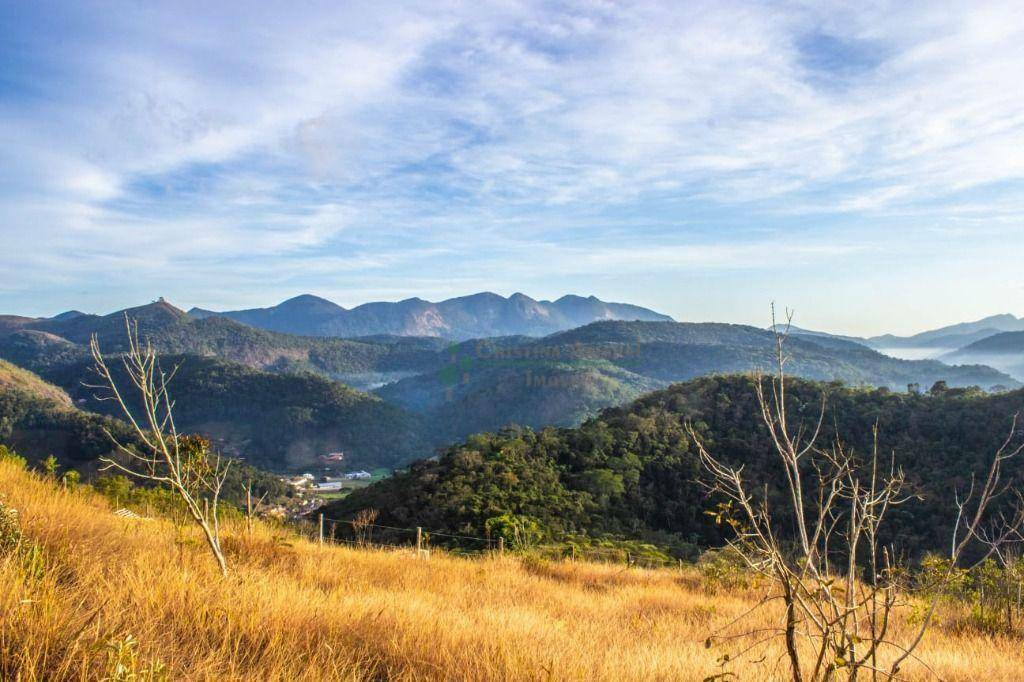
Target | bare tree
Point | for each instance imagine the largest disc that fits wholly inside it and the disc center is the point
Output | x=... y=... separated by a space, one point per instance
x=838 y=583
x=251 y=507
x=183 y=463
x=363 y=524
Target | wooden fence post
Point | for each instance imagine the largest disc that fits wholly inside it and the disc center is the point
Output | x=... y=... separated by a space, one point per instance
x=501 y=544
x=629 y=558
x=321 y=533
x=419 y=540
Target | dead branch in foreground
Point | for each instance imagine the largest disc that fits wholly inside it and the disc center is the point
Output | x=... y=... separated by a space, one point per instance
x=183 y=463
x=839 y=584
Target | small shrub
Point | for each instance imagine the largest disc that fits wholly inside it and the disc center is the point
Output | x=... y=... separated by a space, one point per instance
x=50 y=466
x=11 y=457
x=123 y=664
x=723 y=568
x=521 y=533
x=71 y=479
x=115 y=488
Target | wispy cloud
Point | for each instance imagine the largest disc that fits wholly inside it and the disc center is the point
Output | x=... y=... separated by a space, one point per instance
x=397 y=144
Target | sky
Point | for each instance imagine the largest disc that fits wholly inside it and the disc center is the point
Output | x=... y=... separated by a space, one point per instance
x=861 y=163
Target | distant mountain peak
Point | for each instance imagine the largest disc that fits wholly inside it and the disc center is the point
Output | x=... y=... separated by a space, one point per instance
x=949 y=338
x=483 y=314
x=68 y=315
x=312 y=303
x=159 y=307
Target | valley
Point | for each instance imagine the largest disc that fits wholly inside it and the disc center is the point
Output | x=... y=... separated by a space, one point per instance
x=389 y=400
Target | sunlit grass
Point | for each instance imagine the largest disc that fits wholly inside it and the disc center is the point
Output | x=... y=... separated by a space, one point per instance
x=105 y=594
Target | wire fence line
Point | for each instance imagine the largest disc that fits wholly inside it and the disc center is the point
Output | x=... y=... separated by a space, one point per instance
x=432 y=533
x=358 y=533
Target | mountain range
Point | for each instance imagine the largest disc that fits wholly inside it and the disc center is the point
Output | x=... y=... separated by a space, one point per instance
x=950 y=338
x=1003 y=351
x=962 y=343
x=281 y=399
x=363 y=363
x=479 y=315
x=564 y=378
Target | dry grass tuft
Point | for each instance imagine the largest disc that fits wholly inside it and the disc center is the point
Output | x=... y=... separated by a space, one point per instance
x=93 y=596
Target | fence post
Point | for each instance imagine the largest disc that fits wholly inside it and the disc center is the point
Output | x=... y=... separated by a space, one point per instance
x=501 y=544
x=321 y=533
x=419 y=540
x=629 y=558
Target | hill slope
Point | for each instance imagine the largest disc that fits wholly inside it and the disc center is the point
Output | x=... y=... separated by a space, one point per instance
x=1004 y=351
x=936 y=342
x=38 y=419
x=563 y=378
x=634 y=470
x=38 y=344
x=276 y=421
x=478 y=315
x=14 y=378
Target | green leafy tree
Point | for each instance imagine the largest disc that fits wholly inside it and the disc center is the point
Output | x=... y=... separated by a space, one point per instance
x=50 y=466
x=519 y=532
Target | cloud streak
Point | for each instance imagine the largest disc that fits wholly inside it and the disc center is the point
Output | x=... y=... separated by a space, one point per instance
x=365 y=142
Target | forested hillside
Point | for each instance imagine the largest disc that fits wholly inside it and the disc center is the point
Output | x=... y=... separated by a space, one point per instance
x=37 y=419
x=634 y=471
x=38 y=344
x=276 y=421
x=561 y=379
x=254 y=389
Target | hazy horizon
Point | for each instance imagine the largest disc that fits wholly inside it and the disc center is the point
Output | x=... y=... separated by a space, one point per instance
x=907 y=353
x=861 y=166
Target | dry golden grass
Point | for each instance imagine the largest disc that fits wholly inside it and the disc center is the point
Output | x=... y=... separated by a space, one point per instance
x=292 y=610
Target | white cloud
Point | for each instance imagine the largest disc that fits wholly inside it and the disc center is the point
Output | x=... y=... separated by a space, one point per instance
x=362 y=130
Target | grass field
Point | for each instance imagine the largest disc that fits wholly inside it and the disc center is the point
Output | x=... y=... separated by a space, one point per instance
x=91 y=596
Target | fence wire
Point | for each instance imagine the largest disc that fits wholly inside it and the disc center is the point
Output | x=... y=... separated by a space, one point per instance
x=361 y=534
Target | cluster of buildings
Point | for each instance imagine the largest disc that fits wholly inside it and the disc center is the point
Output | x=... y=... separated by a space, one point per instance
x=310 y=482
x=329 y=481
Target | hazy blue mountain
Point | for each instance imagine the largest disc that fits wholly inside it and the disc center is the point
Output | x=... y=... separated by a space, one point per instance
x=826 y=337
x=937 y=342
x=1004 y=351
x=929 y=344
x=300 y=315
x=466 y=317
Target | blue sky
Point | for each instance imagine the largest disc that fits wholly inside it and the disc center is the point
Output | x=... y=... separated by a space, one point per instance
x=862 y=163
